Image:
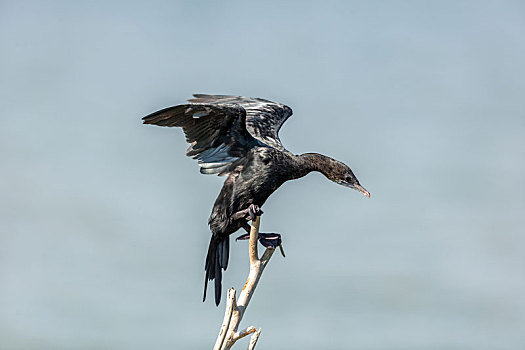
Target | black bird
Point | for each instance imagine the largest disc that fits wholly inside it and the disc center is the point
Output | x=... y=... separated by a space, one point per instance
x=238 y=137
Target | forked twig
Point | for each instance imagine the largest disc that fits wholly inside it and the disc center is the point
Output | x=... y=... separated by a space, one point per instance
x=235 y=309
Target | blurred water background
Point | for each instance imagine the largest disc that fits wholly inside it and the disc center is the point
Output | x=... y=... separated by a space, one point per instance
x=103 y=221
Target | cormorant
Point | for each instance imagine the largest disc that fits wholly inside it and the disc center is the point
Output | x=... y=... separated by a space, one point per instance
x=238 y=137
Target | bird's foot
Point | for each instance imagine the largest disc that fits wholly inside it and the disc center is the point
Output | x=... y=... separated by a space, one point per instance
x=268 y=240
x=249 y=214
x=253 y=211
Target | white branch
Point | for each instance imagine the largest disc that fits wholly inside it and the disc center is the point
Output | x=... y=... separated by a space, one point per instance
x=244 y=333
x=254 y=233
x=230 y=300
x=253 y=339
x=235 y=309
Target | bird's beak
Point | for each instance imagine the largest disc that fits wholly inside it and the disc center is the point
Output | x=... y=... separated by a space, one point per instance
x=360 y=189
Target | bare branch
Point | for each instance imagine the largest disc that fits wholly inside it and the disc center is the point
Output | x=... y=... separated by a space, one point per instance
x=244 y=333
x=253 y=339
x=235 y=309
x=254 y=233
x=230 y=301
x=266 y=256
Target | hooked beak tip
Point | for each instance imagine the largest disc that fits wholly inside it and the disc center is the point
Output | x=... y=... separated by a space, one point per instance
x=358 y=188
x=362 y=190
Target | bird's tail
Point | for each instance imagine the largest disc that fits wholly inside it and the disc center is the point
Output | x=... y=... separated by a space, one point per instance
x=216 y=261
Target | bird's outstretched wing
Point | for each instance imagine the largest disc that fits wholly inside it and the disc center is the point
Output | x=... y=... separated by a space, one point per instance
x=263 y=118
x=217 y=133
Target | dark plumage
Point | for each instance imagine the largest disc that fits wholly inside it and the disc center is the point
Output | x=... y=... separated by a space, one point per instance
x=238 y=137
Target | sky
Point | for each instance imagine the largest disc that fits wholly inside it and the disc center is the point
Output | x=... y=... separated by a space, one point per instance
x=103 y=220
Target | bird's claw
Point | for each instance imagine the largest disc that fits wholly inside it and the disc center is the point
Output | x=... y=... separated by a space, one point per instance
x=243 y=237
x=249 y=213
x=268 y=240
x=253 y=211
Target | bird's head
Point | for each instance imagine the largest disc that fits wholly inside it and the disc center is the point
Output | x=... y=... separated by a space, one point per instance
x=341 y=174
x=334 y=170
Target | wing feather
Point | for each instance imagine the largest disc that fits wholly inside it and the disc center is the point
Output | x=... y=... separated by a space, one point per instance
x=217 y=134
x=264 y=118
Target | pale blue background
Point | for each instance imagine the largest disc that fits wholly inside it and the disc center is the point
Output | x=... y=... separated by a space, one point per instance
x=103 y=220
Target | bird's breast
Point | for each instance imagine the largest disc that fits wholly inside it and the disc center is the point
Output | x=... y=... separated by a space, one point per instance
x=261 y=177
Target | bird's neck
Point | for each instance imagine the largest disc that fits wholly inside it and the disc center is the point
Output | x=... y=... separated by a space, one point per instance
x=309 y=162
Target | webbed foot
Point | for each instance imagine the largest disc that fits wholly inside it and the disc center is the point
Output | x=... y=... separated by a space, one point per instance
x=268 y=240
x=243 y=237
x=253 y=211
x=249 y=214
